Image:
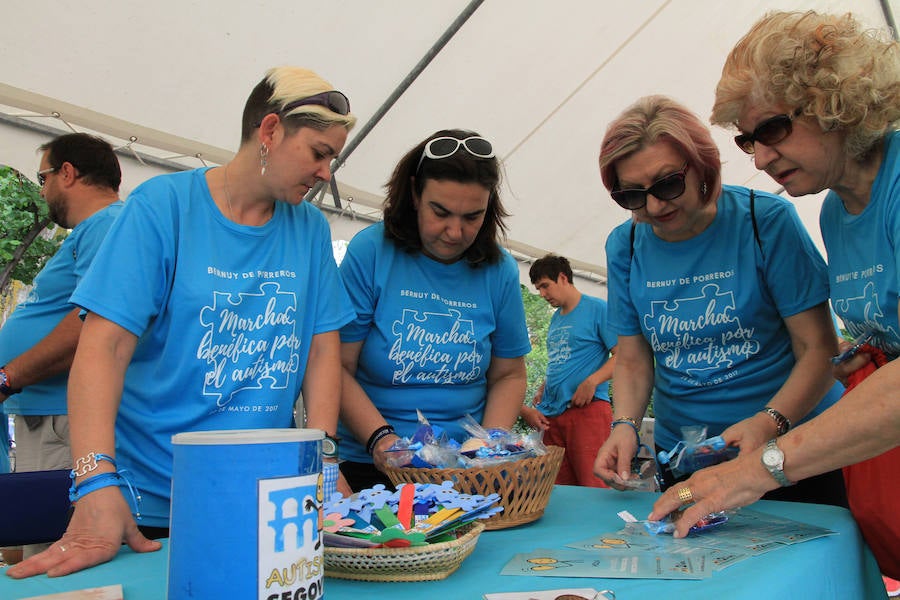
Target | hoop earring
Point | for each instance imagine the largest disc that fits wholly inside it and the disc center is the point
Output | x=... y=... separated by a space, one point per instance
x=263 y=158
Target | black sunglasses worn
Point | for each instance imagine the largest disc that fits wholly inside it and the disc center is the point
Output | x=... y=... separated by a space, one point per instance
x=768 y=133
x=665 y=188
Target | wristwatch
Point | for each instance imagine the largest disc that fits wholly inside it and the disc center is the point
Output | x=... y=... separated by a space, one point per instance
x=773 y=461
x=5 y=388
x=330 y=446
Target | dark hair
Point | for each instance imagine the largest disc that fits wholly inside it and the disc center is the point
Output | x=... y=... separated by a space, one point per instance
x=400 y=220
x=94 y=158
x=550 y=266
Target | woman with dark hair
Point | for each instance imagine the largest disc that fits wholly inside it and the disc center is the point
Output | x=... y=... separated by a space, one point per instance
x=440 y=324
x=718 y=297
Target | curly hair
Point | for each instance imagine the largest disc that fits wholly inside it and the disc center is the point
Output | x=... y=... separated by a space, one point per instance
x=827 y=66
x=401 y=223
x=654 y=119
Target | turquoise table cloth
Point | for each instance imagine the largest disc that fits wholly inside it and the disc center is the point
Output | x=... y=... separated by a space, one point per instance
x=837 y=566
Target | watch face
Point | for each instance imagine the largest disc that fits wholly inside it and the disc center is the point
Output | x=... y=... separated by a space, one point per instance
x=771 y=457
x=329 y=448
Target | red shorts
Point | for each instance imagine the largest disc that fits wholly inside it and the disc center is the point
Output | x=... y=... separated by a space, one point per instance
x=872 y=492
x=581 y=431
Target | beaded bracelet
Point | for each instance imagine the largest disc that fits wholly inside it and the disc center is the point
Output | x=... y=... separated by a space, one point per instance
x=377 y=436
x=628 y=421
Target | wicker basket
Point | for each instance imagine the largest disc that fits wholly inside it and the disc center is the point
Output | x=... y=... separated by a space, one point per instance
x=524 y=485
x=416 y=563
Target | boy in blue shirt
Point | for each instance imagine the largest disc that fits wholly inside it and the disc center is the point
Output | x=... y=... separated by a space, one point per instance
x=572 y=407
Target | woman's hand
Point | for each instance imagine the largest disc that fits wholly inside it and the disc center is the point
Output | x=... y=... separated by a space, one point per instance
x=101 y=522
x=613 y=463
x=731 y=484
x=843 y=369
x=751 y=433
x=380 y=455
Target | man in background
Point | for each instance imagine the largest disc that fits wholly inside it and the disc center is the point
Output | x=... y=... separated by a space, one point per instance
x=79 y=176
x=572 y=407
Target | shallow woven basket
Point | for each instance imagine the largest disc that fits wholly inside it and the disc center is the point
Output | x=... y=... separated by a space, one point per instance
x=416 y=563
x=524 y=485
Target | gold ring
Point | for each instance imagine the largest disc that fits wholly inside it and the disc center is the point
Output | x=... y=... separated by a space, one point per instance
x=685 y=495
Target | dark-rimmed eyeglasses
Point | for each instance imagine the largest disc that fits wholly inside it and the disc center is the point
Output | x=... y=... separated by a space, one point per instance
x=42 y=175
x=665 y=188
x=442 y=147
x=768 y=133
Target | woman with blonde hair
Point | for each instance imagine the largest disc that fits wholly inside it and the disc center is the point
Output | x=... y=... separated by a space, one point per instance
x=816 y=101
x=214 y=301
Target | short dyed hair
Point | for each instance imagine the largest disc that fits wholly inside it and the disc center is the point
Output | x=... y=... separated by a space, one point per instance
x=655 y=119
x=828 y=66
x=92 y=156
x=401 y=223
x=283 y=85
x=550 y=266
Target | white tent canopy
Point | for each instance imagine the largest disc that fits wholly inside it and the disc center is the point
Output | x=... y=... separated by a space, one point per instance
x=539 y=78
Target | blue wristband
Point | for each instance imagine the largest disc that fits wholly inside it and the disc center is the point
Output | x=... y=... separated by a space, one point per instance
x=630 y=423
x=77 y=491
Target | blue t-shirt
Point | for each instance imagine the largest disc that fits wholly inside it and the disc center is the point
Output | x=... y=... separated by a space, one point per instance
x=46 y=305
x=429 y=331
x=225 y=314
x=578 y=343
x=712 y=309
x=863 y=261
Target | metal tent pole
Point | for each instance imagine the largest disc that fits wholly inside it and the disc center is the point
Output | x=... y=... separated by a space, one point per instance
x=889 y=18
x=338 y=162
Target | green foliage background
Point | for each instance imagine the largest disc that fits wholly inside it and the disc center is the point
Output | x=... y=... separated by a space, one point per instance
x=25 y=243
x=537 y=317
x=23 y=216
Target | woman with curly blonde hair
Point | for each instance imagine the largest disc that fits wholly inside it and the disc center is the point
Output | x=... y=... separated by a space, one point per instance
x=816 y=100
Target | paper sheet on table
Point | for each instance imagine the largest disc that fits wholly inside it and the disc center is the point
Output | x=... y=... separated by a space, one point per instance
x=748 y=533
x=108 y=592
x=544 y=562
x=541 y=595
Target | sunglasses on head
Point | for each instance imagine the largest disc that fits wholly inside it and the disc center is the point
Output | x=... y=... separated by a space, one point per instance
x=442 y=147
x=334 y=101
x=768 y=133
x=665 y=188
x=42 y=175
